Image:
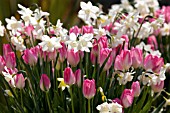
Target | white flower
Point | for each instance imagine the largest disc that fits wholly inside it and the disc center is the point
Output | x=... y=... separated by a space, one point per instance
x=115 y=108
x=18 y=42
x=115 y=41
x=148 y=49
x=8 y=77
x=2 y=28
x=109 y=108
x=87 y=12
x=123 y=78
x=104 y=20
x=49 y=44
x=99 y=32
x=165 y=31
x=85 y=43
x=13 y=24
x=103 y=108
x=72 y=42
x=126 y=5
x=26 y=14
x=142 y=7
x=146 y=78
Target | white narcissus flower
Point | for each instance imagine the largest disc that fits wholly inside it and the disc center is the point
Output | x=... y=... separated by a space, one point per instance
x=126 y=5
x=165 y=31
x=99 y=33
x=72 y=42
x=115 y=41
x=142 y=7
x=115 y=108
x=49 y=44
x=85 y=43
x=18 y=42
x=26 y=14
x=13 y=24
x=148 y=49
x=109 y=108
x=123 y=78
x=87 y=12
x=2 y=28
x=103 y=108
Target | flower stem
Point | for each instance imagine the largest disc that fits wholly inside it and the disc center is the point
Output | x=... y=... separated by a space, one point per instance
x=72 y=102
x=89 y=106
x=48 y=102
x=21 y=98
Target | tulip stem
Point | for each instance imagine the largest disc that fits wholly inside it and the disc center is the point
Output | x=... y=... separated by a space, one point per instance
x=21 y=98
x=48 y=102
x=89 y=106
x=72 y=102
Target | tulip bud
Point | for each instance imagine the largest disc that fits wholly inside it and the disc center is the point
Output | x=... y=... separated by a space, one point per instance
x=10 y=60
x=153 y=62
x=29 y=29
x=73 y=57
x=19 y=81
x=102 y=42
x=127 y=98
x=52 y=55
x=6 y=49
x=137 y=57
x=62 y=52
x=89 y=88
x=78 y=77
x=30 y=56
x=123 y=61
x=104 y=53
x=75 y=30
x=151 y=40
x=158 y=87
x=69 y=77
x=2 y=64
x=136 y=88
x=87 y=29
x=45 y=83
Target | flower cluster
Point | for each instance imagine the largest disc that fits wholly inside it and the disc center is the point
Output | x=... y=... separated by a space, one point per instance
x=115 y=63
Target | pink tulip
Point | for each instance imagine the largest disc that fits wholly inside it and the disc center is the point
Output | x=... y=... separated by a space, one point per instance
x=95 y=48
x=75 y=30
x=136 y=88
x=78 y=77
x=137 y=57
x=127 y=98
x=29 y=29
x=69 y=77
x=153 y=42
x=2 y=64
x=73 y=57
x=158 y=87
x=126 y=41
x=30 y=56
x=87 y=29
x=19 y=81
x=45 y=83
x=123 y=61
x=117 y=100
x=52 y=55
x=102 y=42
x=62 y=52
x=10 y=60
x=6 y=49
x=153 y=62
x=89 y=88
x=104 y=53
x=93 y=58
